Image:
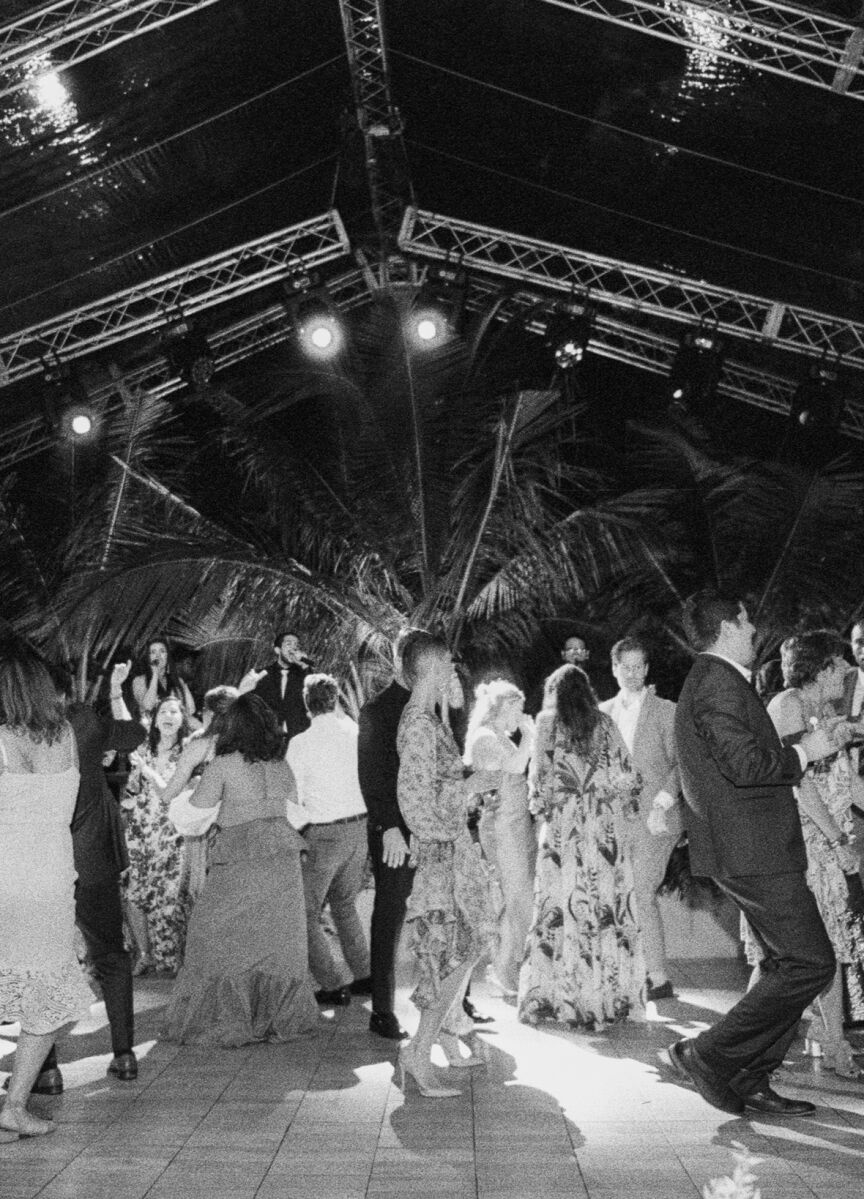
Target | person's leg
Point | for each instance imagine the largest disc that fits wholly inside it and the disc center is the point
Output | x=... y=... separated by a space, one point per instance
x=320 y=864
x=431 y=1018
x=137 y=920
x=99 y=916
x=342 y=895
x=392 y=889
x=650 y=859
x=29 y=1058
x=517 y=854
x=751 y=1040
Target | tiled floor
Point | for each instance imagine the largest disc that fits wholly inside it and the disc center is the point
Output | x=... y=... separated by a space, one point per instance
x=552 y=1113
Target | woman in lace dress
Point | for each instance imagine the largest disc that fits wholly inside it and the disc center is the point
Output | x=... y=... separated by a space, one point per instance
x=506 y=829
x=584 y=964
x=155 y=905
x=41 y=983
x=449 y=912
x=814 y=671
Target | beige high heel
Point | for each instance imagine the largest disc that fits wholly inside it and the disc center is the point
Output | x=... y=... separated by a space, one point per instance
x=407 y=1067
x=21 y=1123
x=840 y=1059
x=450 y=1043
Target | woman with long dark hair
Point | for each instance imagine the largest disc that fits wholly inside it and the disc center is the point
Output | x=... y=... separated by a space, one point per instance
x=245 y=976
x=154 y=904
x=584 y=964
x=157 y=678
x=41 y=983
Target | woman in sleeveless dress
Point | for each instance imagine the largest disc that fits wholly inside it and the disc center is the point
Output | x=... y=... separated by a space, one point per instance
x=245 y=976
x=41 y=983
x=584 y=965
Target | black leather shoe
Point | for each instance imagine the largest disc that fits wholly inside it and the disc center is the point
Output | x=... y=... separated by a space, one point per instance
x=664 y=991
x=386 y=1025
x=361 y=986
x=340 y=997
x=689 y=1067
x=124 y=1066
x=471 y=1011
x=769 y=1103
x=49 y=1082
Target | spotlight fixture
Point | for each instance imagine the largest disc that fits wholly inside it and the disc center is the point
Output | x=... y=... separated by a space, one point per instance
x=568 y=332
x=316 y=319
x=815 y=414
x=695 y=372
x=66 y=404
x=439 y=308
x=188 y=353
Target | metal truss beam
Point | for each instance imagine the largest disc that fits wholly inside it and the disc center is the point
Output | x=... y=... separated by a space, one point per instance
x=377 y=117
x=74 y=30
x=783 y=39
x=626 y=286
x=189 y=289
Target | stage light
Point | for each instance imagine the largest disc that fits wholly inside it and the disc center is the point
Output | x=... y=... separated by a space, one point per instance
x=427 y=329
x=66 y=404
x=815 y=415
x=188 y=353
x=313 y=314
x=568 y=332
x=695 y=373
x=439 y=307
x=81 y=424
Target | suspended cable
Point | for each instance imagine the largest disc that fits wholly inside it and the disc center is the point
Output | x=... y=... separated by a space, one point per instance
x=153 y=241
x=629 y=216
x=643 y=137
x=81 y=180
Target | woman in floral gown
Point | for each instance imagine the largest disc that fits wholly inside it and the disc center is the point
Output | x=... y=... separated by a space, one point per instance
x=584 y=964
x=814 y=671
x=450 y=912
x=155 y=906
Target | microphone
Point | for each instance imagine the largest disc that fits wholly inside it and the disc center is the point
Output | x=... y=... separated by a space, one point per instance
x=306 y=661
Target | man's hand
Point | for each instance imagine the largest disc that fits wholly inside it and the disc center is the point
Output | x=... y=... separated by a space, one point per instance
x=656 y=821
x=817 y=745
x=395 y=849
x=250 y=680
x=119 y=674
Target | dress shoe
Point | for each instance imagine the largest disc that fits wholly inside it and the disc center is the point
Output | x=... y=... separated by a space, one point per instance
x=340 y=997
x=664 y=991
x=472 y=1013
x=769 y=1103
x=124 y=1066
x=689 y=1067
x=49 y=1082
x=386 y=1025
x=361 y=986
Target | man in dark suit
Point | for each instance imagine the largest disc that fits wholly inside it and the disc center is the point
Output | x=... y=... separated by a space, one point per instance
x=280 y=684
x=745 y=833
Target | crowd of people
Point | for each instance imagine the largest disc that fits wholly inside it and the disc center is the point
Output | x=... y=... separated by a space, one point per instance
x=241 y=842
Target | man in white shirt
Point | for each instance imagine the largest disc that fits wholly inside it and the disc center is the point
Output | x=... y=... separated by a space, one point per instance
x=324 y=762
x=647 y=727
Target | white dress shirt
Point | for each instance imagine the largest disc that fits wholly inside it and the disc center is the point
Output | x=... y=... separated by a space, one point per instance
x=858 y=695
x=625 y=712
x=324 y=761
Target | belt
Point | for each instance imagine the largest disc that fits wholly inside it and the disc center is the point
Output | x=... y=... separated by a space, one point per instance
x=341 y=820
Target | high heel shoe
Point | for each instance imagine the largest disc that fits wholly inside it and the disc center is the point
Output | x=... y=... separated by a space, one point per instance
x=450 y=1043
x=839 y=1059
x=424 y=1077
x=21 y=1123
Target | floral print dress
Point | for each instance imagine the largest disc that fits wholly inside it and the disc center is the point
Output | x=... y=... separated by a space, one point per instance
x=584 y=965
x=450 y=913
x=154 y=882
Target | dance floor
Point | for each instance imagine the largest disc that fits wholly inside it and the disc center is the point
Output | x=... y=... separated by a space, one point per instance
x=551 y=1113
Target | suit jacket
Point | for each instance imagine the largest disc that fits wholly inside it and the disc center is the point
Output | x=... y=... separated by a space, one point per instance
x=737 y=777
x=98 y=841
x=289 y=708
x=377 y=759
x=844 y=707
x=654 y=754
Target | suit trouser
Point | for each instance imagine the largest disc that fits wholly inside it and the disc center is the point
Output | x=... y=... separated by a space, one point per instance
x=751 y=1040
x=333 y=873
x=392 y=890
x=650 y=858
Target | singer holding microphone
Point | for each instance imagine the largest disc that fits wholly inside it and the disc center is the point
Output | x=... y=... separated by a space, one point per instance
x=280 y=684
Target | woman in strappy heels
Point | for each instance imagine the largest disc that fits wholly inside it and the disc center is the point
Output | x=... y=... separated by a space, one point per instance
x=449 y=912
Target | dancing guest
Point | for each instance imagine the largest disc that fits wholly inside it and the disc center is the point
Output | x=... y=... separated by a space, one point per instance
x=41 y=983
x=575 y=652
x=324 y=762
x=280 y=684
x=159 y=679
x=506 y=829
x=647 y=727
x=584 y=965
x=814 y=671
x=153 y=892
x=245 y=976
x=745 y=833
x=449 y=911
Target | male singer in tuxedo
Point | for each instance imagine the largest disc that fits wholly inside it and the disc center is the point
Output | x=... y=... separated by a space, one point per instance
x=280 y=685
x=745 y=833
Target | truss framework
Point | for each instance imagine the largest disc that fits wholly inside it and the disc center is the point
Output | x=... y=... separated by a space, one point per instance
x=74 y=30
x=624 y=285
x=784 y=39
x=189 y=289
